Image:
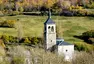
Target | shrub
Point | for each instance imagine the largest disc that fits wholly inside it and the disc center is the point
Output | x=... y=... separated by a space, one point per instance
x=79 y=11
x=27 y=41
x=9 y=39
x=5 y=39
x=7 y=23
x=88 y=33
x=21 y=9
x=75 y=7
x=34 y=40
x=90 y=6
x=13 y=13
x=82 y=46
x=88 y=36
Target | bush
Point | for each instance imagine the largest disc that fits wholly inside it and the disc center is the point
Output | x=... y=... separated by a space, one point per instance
x=90 y=6
x=31 y=40
x=75 y=7
x=82 y=46
x=26 y=41
x=7 y=23
x=13 y=13
x=88 y=36
x=79 y=11
x=34 y=40
x=21 y=9
x=9 y=39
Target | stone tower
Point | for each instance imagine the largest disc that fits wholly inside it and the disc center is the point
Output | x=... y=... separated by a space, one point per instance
x=49 y=33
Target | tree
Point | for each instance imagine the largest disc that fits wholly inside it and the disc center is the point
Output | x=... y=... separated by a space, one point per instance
x=19 y=28
x=66 y=4
x=56 y=8
x=39 y=4
x=1 y=5
x=49 y=3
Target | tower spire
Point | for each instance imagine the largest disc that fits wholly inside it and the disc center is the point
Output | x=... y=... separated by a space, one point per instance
x=49 y=14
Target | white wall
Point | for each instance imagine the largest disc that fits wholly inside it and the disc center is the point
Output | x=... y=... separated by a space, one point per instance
x=50 y=39
x=67 y=51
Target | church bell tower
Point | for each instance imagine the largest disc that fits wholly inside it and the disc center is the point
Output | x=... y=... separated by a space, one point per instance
x=49 y=33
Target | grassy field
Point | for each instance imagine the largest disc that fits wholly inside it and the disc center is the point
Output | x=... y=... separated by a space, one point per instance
x=33 y=26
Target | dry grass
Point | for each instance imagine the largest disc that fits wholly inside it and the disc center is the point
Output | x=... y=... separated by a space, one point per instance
x=19 y=54
x=84 y=58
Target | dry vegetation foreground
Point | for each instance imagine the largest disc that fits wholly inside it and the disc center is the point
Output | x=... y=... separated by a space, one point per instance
x=29 y=55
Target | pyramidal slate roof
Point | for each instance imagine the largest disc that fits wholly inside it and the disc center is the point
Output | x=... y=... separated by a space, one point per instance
x=49 y=20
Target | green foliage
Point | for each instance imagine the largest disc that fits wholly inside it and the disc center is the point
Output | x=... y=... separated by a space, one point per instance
x=34 y=40
x=7 y=23
x=13 y=13
x=21 y=10
x=82 y=46
x=89 y=34
x=56 y=8
x=27 y=41
x=9 y=39
x=90 y=6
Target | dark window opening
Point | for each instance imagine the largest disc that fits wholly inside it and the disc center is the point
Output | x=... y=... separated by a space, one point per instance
x=51 y=40
x=49 y=27
x=66 y=50
x=52 y=29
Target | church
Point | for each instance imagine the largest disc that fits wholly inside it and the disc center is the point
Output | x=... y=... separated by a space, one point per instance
x=52 y=43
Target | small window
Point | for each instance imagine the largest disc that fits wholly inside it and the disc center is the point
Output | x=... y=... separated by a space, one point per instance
x=66 y=50
x=52 y=29
x=49 y=27
x=51 y=40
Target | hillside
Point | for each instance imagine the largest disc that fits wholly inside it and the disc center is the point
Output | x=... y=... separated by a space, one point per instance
x=67 y=26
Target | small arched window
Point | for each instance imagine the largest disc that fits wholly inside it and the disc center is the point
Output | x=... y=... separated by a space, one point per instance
x=52 y=29
x=66 y=50
x=49 y=27
x=51 y=40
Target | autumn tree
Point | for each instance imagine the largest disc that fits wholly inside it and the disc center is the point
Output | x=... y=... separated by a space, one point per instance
x=19 y=28
x=56 y=8
x=49 y=3
x=39 y=4
x=1 y=4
